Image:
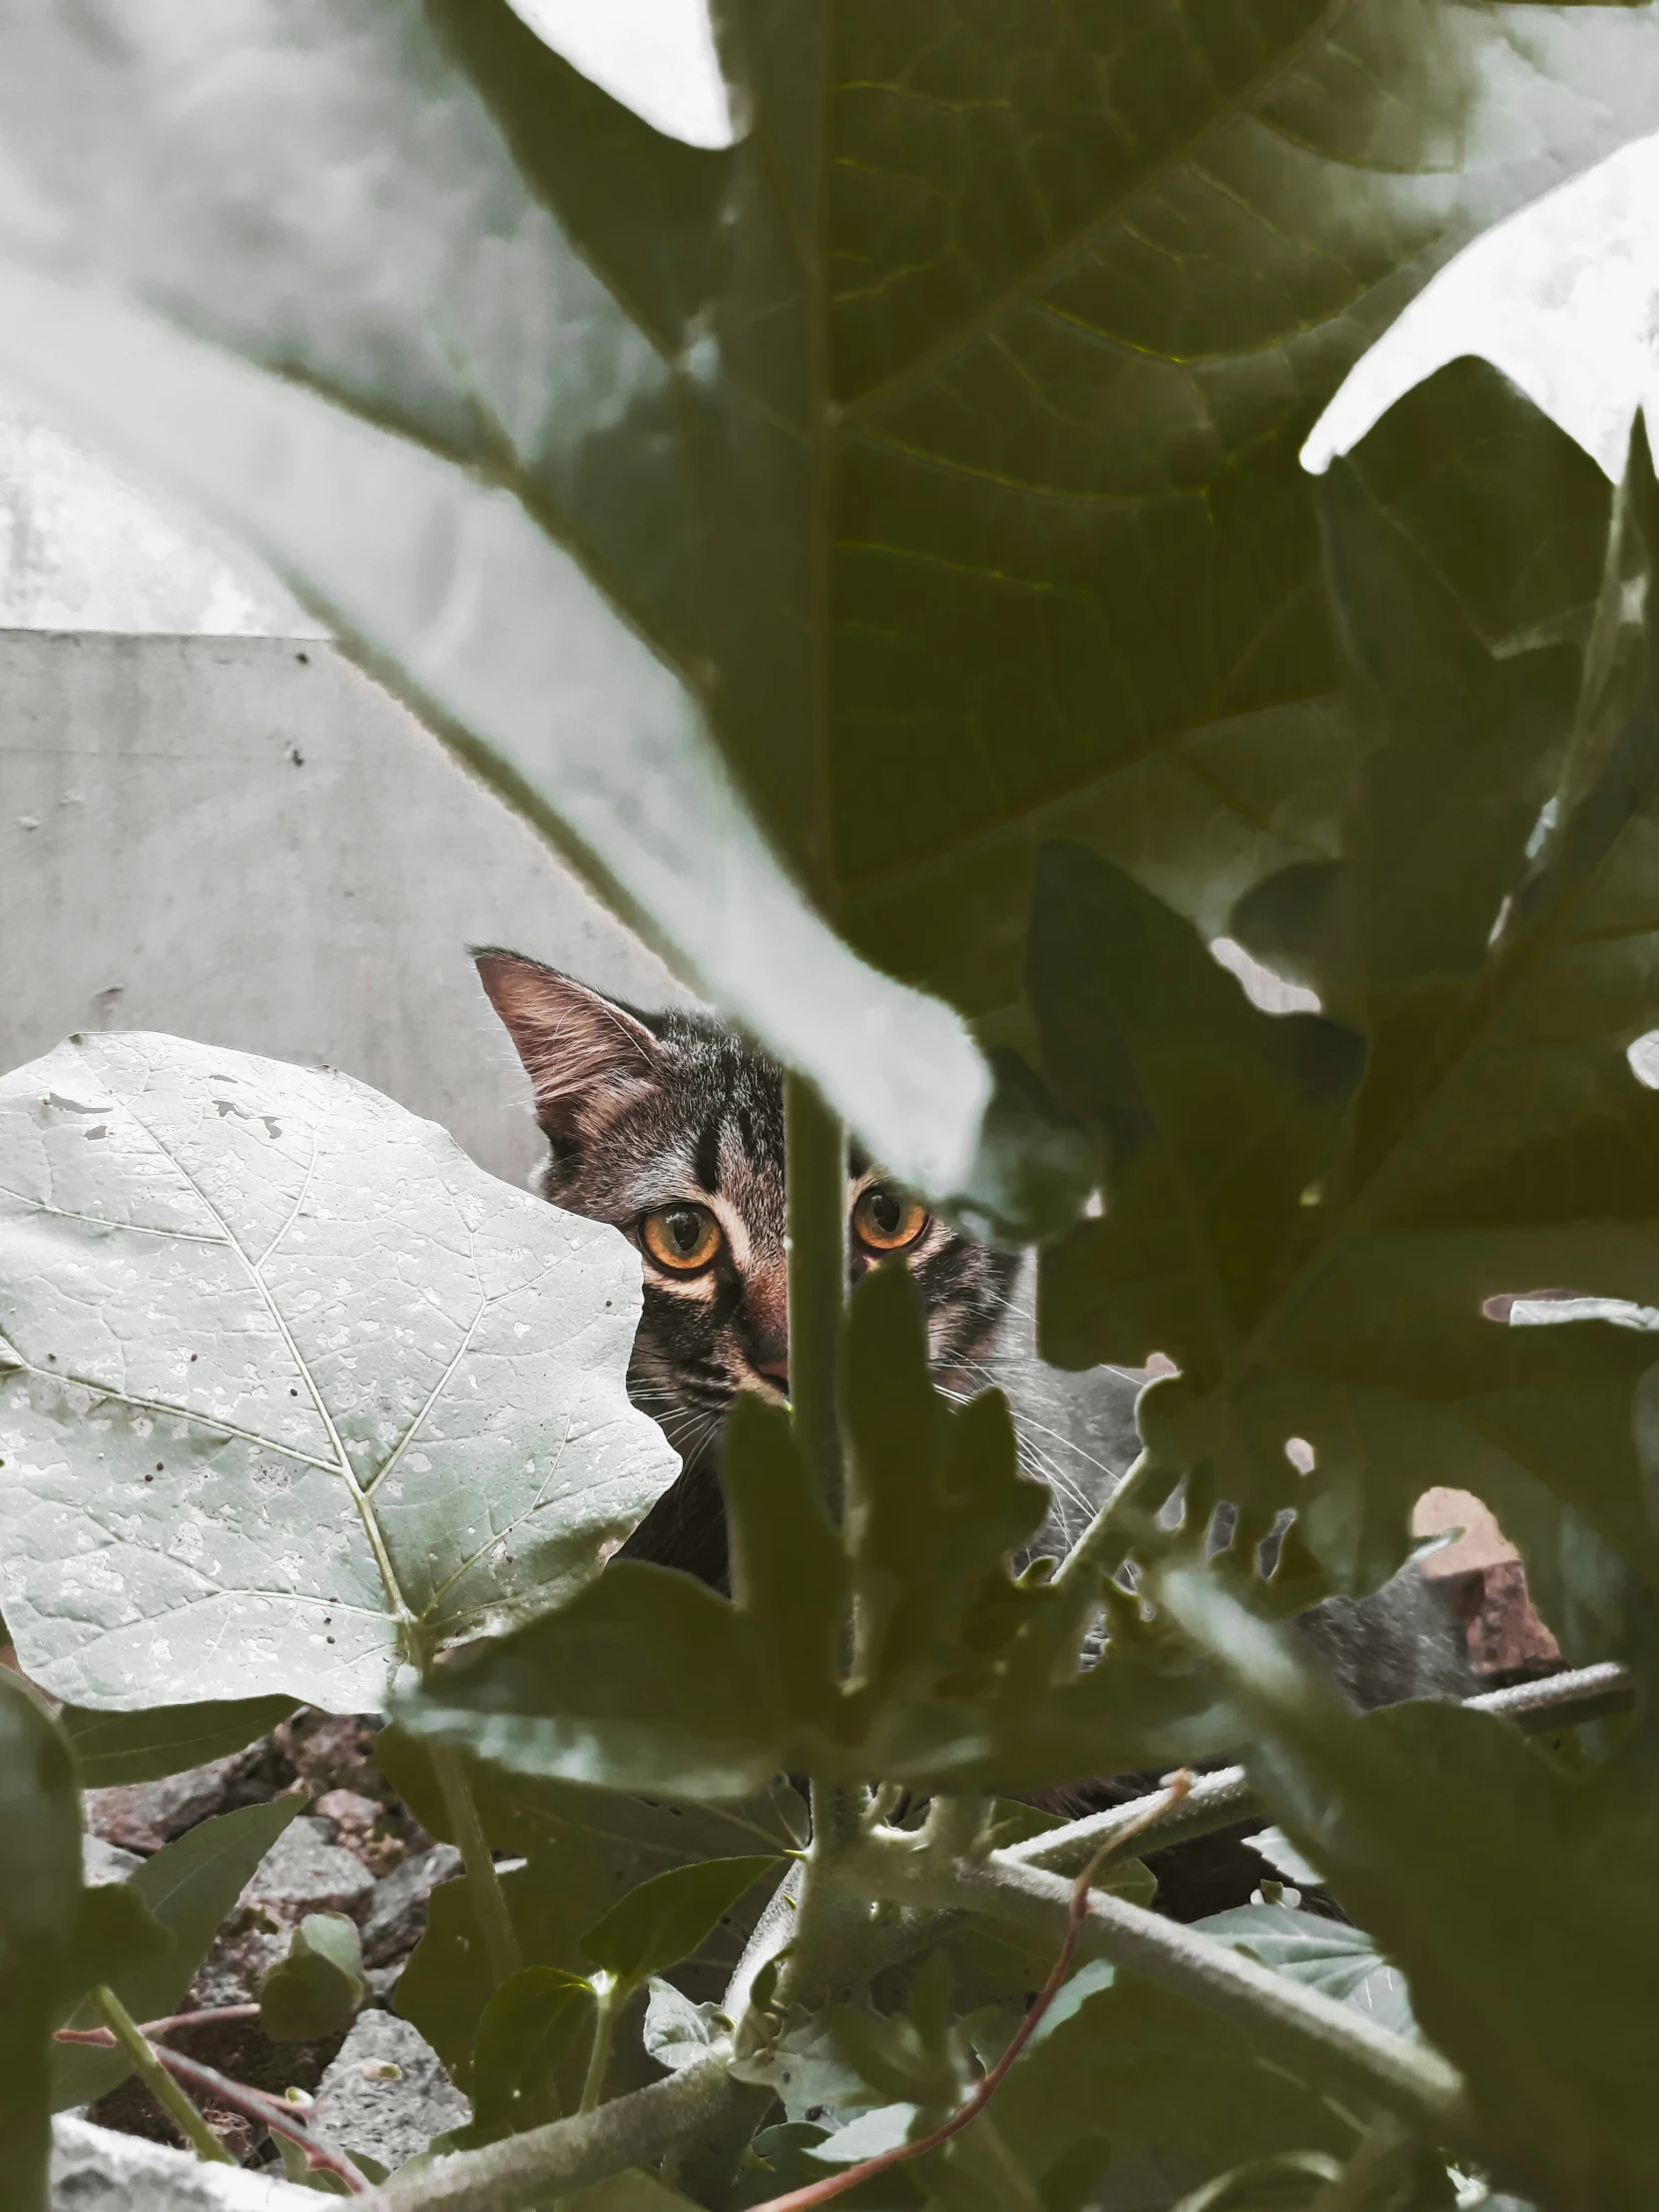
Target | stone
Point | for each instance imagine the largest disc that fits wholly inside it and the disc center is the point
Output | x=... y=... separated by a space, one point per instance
x=361 y=1828
x=302 y=1871
x=102 y=1862
x=95 y=2170
x=397 y=1915
x=142 y=1816
x=364 y=2108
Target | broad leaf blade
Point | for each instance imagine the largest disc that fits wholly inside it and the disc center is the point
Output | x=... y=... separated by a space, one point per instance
x=316 y=1989
x=114 y=1749
x=940 y=438
x=189 y=1885
x=668 y=1918
x=253 y=1320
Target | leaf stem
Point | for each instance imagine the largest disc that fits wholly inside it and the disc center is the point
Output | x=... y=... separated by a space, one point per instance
x=488 y=1904
x=608 y=1995
x=816 y=1196
x=155 y=2078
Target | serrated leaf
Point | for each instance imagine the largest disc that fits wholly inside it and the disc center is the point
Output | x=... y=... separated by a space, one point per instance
x=1517 y=1895
x=256 y=1326
x=189 y=1885
x=950 y=451
x=668 y=1918
x=316 y=1989
x=115 y=1749
x=1496 y=1140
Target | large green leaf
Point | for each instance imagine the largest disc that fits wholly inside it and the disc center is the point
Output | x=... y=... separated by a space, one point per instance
x=113 y=1749
x=668 y=1918
x=189 y=1885
x=292 y=1394
x=1315 y=1252
x=848 y=508
x=1517 y=1895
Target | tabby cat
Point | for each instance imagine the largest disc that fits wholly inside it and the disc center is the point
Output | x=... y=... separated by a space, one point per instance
x=671 y=1128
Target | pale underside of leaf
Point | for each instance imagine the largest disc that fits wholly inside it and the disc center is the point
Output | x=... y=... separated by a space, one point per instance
x=292 y=1394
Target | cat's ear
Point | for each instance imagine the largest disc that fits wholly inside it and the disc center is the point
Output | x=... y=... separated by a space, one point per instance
x=577 y=1046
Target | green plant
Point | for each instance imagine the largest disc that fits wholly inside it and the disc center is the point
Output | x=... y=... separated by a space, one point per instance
x=878 y=550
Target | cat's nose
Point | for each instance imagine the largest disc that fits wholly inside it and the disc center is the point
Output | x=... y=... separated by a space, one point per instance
x=775 y=1370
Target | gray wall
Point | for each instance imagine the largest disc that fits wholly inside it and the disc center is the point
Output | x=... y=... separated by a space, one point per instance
x=246 y=840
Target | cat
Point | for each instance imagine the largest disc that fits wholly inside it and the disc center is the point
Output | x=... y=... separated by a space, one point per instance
x=671 y=1128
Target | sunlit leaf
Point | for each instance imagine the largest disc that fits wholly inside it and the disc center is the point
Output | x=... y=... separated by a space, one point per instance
x=292 y=1394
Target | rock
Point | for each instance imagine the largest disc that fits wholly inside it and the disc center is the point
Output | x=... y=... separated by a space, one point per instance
x=388 y=2119
x=102 y=1862
x=397 y=1915
x=361 y=1828
x=302 y=1871
x=95 y=2170
x=142 y=1816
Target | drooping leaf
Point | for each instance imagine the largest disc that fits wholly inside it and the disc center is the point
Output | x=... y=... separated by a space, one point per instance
x=260 y=1333
x=949 y=450
x=114 y=1749
x=317 y=1989
x=189 y=1885
x=1518 y=1897
x=668 y=1918
x=1498 y=1140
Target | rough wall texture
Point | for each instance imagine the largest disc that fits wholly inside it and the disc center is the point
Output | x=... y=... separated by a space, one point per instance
x=245 y=840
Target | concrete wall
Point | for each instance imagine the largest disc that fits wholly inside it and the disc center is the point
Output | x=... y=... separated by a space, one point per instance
x=245 y=840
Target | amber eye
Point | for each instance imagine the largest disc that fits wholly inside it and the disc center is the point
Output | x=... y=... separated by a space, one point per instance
x=680 y=1237
x=886 y=1222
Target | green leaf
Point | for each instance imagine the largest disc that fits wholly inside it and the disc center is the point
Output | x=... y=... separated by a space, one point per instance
x=114 y=1749
x=526 y=2028
x=939 y=438
x=633 y=2191
x=205 y=1491
x=317 y=1989
x=1318 y=1265
x=1327 y=1955
x=1517 y=1896
x=668 y=1918
x=39 y=1905
x=191 y=1885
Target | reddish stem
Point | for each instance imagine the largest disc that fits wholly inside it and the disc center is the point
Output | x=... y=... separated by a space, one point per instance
x=153 y=2029
x=259 y=2105
x=821 y=2192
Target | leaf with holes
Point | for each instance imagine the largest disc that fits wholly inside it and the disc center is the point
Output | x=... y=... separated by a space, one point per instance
x=292 y=1394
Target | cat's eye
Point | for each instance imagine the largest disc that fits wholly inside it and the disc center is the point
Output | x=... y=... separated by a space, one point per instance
x=680 y=1237
x=884 y=1220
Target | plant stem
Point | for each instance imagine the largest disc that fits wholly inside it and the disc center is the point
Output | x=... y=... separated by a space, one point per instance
x=609 y=1996
x=1105 y=1543
x=488 y=1904
x=1315 y=2033
x=546 y=2163
x=817 y=1169
x=1220 y=1799
x=158 y=2080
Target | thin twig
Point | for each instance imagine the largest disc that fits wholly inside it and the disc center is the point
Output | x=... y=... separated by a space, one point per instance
x=1218 y=1799
x=259 y=2105
x=212 y=2016
x=821 y=2192
x=151 y=2066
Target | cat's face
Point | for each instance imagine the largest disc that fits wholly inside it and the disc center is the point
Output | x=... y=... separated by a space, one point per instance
x=671 y=1128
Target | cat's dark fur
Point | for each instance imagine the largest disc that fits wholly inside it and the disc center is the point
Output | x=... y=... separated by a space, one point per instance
x=643 y=1109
